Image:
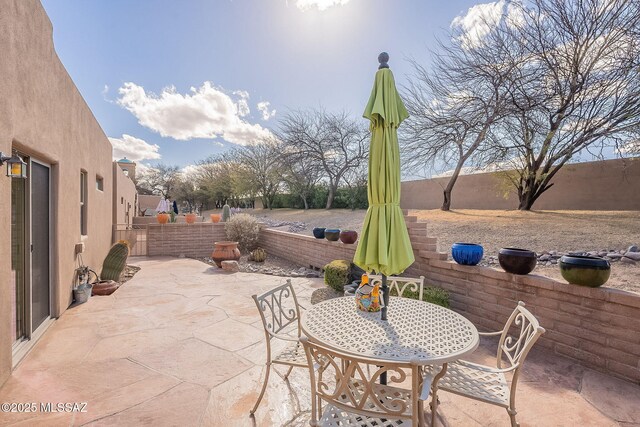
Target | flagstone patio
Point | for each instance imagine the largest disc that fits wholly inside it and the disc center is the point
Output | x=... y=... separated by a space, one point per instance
x=181 y=344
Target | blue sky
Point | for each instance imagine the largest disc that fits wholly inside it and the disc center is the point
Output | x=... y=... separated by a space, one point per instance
x=122 y=54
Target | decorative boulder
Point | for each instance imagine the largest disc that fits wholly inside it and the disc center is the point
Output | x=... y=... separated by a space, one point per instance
x=230 y=266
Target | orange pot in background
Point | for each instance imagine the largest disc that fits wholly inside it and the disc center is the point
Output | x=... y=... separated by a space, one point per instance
x=191 y=218
x=163 y=218
x=215 y=218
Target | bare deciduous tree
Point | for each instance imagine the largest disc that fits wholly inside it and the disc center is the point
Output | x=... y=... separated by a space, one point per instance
x=576 y=85
x=453 y=105
x=260 y=164
x=336 y=142
x=160 y=180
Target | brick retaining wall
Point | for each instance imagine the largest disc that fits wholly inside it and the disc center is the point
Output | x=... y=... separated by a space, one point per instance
x=599 y=328
x=190 y=240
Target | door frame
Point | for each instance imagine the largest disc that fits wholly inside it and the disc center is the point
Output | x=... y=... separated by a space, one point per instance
x=21 y=348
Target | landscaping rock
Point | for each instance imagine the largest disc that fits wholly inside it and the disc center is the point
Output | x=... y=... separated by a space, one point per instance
x=545 y=257
x=627 y=260
x=633 y=255
x=614 y=255
x=632 y=248
x=230 y=266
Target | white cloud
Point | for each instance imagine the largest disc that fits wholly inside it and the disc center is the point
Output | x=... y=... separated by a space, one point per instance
x=205 y=112
x=319 y=4
x=135 y=149
x=630 y=148
x=263 y=107
x=478 y=22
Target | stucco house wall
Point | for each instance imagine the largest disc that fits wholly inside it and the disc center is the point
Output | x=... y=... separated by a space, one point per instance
x=43 y=115
x=125 y=197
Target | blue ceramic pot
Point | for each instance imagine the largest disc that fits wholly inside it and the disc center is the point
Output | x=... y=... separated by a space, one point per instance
x=467 y=253
x=318 y=232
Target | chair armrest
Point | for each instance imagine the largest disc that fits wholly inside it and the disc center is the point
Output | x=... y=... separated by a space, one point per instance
x=490 y=334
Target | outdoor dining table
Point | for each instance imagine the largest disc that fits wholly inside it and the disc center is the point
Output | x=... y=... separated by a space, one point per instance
x=415 y=330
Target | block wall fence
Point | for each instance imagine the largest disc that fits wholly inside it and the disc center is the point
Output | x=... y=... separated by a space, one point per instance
x=598 y=328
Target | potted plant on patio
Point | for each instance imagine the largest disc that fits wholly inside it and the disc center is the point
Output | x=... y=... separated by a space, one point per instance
x=190 y=218
x=585 y=270
x=517 y=261
x=163 y=217
x=467 y=253
x=215 y=218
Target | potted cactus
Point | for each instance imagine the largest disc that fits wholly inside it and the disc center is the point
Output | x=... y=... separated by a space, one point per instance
x=112 y=269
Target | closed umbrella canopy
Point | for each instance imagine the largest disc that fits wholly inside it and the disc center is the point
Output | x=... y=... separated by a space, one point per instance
x=384 y=245
x=163 y=206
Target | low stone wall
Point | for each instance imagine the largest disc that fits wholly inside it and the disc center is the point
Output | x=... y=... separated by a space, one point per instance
x=599 y=328
x=190 y=240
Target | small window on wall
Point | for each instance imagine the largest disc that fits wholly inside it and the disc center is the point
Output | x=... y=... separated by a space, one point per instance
x=83 y=203
x=99 y=183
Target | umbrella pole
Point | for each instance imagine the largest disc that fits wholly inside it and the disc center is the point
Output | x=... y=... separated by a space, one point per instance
x=383 y=312
x=385 y=297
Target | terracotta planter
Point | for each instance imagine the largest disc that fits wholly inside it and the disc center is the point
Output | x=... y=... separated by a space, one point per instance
x=163 y=218
x=215 y=218
x=225 y=251
x=517 y=261
x=190 y=218
x=105 y=287
x=585 y=270
x=348 y=237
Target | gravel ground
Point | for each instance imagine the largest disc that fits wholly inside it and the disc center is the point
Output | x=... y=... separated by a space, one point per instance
x=562 y=231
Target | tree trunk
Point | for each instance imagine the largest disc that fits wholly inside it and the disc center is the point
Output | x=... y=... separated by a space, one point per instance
x=330 y=196
x=304 y=200
x=446 y=203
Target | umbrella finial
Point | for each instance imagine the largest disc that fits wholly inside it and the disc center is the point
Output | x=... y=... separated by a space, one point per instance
x=383 y=59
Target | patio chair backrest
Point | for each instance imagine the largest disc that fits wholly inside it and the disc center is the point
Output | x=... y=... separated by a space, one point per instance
x=401 y=284
x=278 y=308
x=527 y=331
x=350 y=384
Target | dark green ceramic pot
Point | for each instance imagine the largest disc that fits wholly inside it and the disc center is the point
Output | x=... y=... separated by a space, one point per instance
x=585 y=270
x=332 y=235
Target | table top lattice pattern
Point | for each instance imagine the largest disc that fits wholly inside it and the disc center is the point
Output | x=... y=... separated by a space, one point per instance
x=414 y=330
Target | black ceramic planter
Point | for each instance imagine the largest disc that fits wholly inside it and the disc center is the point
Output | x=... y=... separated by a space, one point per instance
x=585 y=270
x=517 y=261
x=332 y=234
x=318 y=232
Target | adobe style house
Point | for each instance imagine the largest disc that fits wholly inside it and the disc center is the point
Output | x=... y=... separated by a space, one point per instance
x=65 y=205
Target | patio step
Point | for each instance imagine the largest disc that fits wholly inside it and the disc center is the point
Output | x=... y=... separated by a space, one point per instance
x=410 y=219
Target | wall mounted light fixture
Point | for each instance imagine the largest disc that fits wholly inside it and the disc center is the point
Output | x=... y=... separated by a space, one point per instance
x=16 y=167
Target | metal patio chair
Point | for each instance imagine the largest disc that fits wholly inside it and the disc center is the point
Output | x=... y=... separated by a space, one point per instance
x=486 y=383
x=354 y=397
x=402 y=284
x=279 y=309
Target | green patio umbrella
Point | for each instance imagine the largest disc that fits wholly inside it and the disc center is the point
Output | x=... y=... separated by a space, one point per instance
x=384 y=245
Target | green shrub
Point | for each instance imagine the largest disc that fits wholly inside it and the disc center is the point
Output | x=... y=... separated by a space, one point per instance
x=336 y=274
x=244 y=229
x=431 y=294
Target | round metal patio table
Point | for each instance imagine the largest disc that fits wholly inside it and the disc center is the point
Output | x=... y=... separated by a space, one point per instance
x=432 y=334
x=419 y=330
